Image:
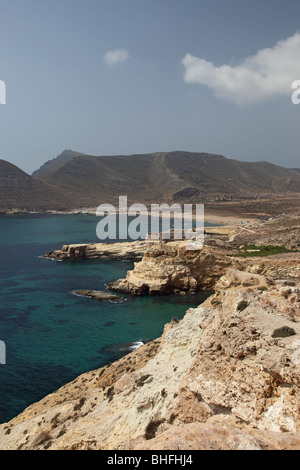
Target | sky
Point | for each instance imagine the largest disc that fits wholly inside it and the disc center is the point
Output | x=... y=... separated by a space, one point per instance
x=111 y=77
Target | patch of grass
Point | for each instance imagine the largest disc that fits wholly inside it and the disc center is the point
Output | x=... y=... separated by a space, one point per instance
x=266 y=250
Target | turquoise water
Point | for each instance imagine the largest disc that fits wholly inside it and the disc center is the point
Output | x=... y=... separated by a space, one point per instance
x=51 y=335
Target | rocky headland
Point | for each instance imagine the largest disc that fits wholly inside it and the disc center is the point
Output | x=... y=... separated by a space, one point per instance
x=227 y=376
x=127 y=251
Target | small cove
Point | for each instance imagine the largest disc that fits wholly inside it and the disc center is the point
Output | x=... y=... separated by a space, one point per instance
x=51 y=335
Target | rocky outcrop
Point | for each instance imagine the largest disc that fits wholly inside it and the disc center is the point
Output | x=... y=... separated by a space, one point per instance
x=219 y=373
x=197 y=436
x=227 y=376
x=169 y=268
x=122 y=251
x=100 y=295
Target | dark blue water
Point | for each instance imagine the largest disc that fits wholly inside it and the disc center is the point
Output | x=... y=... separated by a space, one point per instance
x=51 y=335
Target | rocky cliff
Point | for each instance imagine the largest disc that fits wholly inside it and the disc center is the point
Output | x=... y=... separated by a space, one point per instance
x=122 y=251
x=227 y=376
x=169 y=268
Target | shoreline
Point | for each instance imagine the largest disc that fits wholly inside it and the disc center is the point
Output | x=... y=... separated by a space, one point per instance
x=209 y=218
x=224 y=350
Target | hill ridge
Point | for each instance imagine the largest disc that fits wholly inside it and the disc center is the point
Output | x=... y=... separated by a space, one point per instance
x=75 y=180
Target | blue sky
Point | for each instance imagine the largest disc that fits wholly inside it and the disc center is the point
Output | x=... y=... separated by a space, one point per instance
x=109 y=77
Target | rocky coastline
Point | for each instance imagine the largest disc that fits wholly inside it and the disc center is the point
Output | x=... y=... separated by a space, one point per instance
x=127 y=251
x=225 y=377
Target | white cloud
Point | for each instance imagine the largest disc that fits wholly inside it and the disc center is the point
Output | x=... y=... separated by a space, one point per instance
x=116 y=57
x=267 y=74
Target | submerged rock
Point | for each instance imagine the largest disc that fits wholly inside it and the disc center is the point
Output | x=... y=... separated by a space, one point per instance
x=100 y=295
x=216 y=379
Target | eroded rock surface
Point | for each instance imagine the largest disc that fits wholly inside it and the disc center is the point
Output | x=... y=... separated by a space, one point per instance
x=219 y=366
x=218 y=379
x=198 y=436
x=121 y=251
x=170 y=268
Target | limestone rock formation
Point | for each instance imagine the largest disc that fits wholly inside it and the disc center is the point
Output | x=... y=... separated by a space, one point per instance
x=122 y=251
x=196 y=436
x=227 y=376
x=171 y=268
x=218 y=372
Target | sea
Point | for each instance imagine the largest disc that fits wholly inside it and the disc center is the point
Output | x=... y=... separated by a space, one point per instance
x=52 y=335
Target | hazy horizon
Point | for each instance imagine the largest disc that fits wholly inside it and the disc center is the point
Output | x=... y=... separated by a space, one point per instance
x=123 y=77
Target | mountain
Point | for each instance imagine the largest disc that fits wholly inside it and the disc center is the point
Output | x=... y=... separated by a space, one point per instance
x=74 y=180
x=55 y=163
x=18 y=190
x=171 y=176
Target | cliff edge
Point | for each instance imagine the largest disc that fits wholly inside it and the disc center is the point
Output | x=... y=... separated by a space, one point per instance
x=229 y=367
x=225 y=377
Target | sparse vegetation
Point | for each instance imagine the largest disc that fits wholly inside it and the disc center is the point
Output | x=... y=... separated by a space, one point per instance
x=54 y=421
x=172 y=418
x=151 y=428
x=79 y=405
x=242 y=305
x=283 y=332
x=42 y=438
x=110 y=393
x=61 y=432
x=266 y=250
x=55 y=184
x=142 y=380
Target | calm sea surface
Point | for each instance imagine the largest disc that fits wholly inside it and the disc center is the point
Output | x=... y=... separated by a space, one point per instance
x=51 y=335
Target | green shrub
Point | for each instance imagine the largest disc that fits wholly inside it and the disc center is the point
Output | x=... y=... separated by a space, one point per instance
x=283 y=332
x=266 y=250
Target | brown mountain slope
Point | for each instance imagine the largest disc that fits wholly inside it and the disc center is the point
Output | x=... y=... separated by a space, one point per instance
x=55 y=163
x=167 y=177
x=18 y=190
x=87 y=181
